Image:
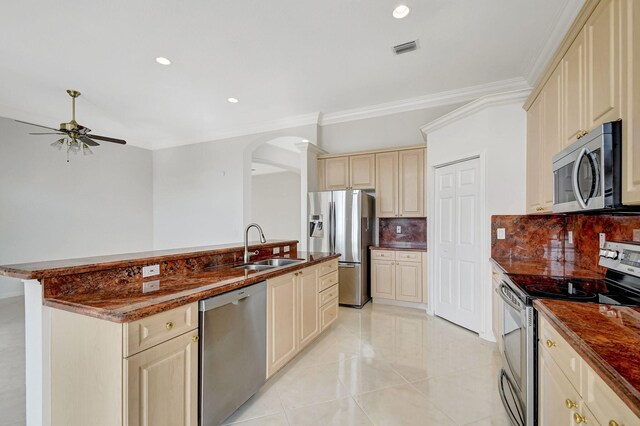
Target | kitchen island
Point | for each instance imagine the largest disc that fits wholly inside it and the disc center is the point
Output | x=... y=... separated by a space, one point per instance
x=95 y=327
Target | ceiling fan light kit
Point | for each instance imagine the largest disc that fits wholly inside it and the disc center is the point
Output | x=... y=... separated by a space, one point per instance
x=75 y=136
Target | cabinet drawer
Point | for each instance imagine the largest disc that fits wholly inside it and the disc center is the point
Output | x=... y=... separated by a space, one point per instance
x=147 y=332
x=328 y=280
x=409 y=256
x=328 y=267
x=603 y=402
x=328 y=314
x=561 y=352
x=383 y=255
x=328 y=295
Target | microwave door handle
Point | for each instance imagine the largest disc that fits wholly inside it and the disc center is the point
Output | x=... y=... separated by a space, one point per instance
x=574 y=178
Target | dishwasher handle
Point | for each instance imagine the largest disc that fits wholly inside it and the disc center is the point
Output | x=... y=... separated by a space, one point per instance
x=233 y=297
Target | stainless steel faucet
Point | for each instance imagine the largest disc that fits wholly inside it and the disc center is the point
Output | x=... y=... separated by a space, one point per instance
x=263 y=240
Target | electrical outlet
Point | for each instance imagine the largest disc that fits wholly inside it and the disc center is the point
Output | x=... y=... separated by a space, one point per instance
x=636 y=235
x=276 y=250
x=501 y=234
x=148 y=286
x=570 y=237
x=603 y=239
x=285 y=249
x=150 y=271
x=398 y=229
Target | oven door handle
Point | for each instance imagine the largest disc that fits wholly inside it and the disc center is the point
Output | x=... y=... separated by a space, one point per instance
x=574 y=177
x=503 y=295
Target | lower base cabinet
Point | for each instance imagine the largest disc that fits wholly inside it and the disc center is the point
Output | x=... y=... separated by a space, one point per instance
x=140 y=373
x=398 y=275
x=300 y=305
x=570 y=392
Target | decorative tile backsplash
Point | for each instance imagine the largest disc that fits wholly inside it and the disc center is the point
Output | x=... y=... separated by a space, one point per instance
x=413 y=230
x=533 y=237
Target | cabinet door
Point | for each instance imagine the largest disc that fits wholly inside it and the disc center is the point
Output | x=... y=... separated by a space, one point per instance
x=411 y=183
x=321 y=175
x=497 y=317
x=535 y=122
x=362 y=169
x=281 y=322
x=308 y=303
x=554 y=391
x=409 y=281
x=387 y=184
x=336 y=173
x=383 y=279
x=573 y=105
x=162 y=384
x=551 y=131
x=603 y=70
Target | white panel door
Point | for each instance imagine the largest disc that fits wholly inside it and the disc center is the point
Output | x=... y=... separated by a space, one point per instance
x=457 y=248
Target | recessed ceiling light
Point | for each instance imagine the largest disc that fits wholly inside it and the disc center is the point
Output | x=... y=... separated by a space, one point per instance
x=305 y=140
x=232 y=100
x=163 y=61
x=401 y=11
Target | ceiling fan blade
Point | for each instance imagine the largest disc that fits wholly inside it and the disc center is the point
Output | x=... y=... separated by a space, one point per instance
x=37 y=125
x=107 y=139
x=88 y=141
x=47 y=133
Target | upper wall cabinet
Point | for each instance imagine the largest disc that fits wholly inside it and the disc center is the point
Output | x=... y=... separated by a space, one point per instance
x=348 y=172
x=400 y=183
x=592 y=83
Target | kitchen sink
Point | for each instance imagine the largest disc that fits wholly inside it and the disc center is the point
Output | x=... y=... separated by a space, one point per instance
x=253 y=267
x=276 y=262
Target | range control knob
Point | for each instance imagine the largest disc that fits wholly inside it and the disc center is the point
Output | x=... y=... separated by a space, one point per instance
x=612 y=254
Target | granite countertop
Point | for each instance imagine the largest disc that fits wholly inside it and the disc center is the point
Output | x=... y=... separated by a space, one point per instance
x=47 y=269
x=127 y=301
x=607 y=337
x=409 y=246
x=544 y=267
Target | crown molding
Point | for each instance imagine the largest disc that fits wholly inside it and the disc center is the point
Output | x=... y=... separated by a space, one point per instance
x=473 y=107
x=449 y=97
x=535 y=67
x=309 y=147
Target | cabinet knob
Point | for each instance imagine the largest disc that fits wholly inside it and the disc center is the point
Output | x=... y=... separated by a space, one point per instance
x=195 y=338
x=550 y=343
x=168 y=325
x=579 y=419
x=570 y=404
x=582 y=134
x=613 y=423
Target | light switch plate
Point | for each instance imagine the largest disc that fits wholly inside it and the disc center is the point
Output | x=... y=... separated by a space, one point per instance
x=636 y=235
x=150 y=271
x=286 y=249
x=276 y=250
x=570 y=237
x=398 y=229
x=148 y=286
x=603 y=239
x=501 y=234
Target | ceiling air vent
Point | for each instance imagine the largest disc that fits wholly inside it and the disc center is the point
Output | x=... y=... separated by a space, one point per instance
x=405 y=47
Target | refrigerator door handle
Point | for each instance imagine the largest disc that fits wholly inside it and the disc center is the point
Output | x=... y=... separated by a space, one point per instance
x=333 y=226
x=331 y=248
x=346 y=265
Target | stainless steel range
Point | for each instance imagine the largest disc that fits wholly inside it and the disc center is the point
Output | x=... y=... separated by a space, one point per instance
x=518 y=378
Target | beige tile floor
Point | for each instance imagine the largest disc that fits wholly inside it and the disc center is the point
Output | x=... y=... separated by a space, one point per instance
x=380 y=365
x=384 y=365
x=12 y=362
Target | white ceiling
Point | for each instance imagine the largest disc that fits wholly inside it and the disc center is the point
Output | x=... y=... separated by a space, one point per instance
x=280 y=58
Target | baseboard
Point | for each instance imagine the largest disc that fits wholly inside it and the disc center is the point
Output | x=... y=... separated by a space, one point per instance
x=400 y=303
x=487 y=336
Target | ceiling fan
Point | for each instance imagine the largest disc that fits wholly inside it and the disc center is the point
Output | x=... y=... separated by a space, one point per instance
x=74 y=135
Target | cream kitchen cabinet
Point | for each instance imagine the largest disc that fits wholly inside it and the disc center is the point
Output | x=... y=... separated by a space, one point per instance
x=140 y=373
x=298 y=309
x=497 y=308
x=322 y=164
x=400 y=183
x=599 y=64
x=398 y=275
x=570 y=392
x=348 y=172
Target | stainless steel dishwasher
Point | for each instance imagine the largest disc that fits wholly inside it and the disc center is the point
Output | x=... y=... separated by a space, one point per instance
x=233 y=350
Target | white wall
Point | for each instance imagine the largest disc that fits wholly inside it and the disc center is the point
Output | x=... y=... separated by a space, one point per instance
x=402 y=129
x=51 y=209
x=498 y=135
x=276 y=204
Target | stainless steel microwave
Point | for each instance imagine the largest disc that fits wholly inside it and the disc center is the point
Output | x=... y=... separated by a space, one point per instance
x=587 y=174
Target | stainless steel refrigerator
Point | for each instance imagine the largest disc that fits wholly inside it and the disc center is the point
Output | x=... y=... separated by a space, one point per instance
x=343 y=222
